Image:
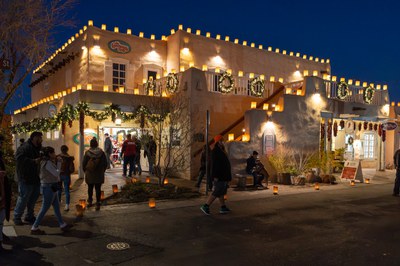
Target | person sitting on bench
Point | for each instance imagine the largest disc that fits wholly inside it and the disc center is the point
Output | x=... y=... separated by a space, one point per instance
x=255 y=168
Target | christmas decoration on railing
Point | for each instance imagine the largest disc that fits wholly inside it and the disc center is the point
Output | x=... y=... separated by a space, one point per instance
x=341 y=124
x=383 y=135
x=370 y=126
x=375 y=127
x=172 y=82
x=226 y=83
x=368 y=94
x=342 y=90
x=359 y=126
x=68 y=113
x=149 y=85
x=365 y=125
x=335 y=128
x=380 y=129
x=257 y=86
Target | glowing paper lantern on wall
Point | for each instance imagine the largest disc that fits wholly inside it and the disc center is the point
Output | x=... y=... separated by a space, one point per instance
x=231 y=137
x=253 y=105
x=275 y=190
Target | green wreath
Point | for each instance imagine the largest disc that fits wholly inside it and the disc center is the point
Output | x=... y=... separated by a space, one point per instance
x=368 y=94
x=257 y=87
x=226 y=77
x=342 y=90
x=172 y=82
x=350 y=141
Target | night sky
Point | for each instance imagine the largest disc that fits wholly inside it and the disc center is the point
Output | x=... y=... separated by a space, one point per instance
x=361 y=38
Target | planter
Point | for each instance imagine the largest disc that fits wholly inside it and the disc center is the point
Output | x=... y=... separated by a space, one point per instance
x=284 y=178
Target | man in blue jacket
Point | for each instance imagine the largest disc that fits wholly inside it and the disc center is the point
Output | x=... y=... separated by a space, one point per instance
x=27 y=159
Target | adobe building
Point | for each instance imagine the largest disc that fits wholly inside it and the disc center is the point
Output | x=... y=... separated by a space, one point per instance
x=243 y=85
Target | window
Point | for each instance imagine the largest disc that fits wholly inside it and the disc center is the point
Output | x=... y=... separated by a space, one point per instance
x=118 y=77
x=369 y=145
x=216 y=83
x=151 y=74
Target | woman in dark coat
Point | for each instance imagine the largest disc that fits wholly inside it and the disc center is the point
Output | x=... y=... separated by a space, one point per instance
x=94 y=165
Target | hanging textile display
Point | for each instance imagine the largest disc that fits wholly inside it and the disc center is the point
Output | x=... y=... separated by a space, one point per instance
x=335 y=128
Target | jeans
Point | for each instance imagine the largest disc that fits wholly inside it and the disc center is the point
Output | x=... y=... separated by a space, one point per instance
x=49 y=198
x=131 y=161
x=27 y=197
x=137 y=162
x=2 y=217
x=152 y=160
x=66 y=181
x=90 y=192
x=396 y=189
x=258 y=178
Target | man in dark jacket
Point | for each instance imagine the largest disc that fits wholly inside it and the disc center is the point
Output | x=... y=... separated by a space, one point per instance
x=220 y=175
x=5 y=197
x=151 y=151
x=108 y=149
x=27 y=159
x=252 y=168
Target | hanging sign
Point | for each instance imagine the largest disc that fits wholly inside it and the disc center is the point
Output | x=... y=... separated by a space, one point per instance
x=88 y=135
x=352 y=171
x=389 y=126
x=52 y=110
x=119 y=46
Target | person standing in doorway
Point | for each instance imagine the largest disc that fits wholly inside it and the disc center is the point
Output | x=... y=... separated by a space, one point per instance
x=221 y=175
x=150 y=152
x=396 y=189
x=137 y=156
x=128 y=152
x=94 y=164
x=67 y=168
x=108 y=149
x=27 y=166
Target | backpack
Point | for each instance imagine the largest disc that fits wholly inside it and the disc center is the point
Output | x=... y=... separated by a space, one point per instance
x=92 y=164
x=67 y=165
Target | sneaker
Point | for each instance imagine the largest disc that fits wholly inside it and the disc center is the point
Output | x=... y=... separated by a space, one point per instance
x=18 y=222
x=89 y=204
x=206 y=209
x=224 y=210
x=66 y=207
x=97 y=207
x=37 y=232
x=66 y=227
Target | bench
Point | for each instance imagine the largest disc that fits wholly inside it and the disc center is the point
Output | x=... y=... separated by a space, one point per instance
x=243 y=180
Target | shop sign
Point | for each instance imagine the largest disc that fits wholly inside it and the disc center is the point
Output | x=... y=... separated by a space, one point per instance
x=4 y=63
x=88 y=135
x=389 y=126
x=352 y=171
x=119 y=46
x=52 y=111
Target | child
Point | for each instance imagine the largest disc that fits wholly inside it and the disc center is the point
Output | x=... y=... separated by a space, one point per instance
x=49 y=180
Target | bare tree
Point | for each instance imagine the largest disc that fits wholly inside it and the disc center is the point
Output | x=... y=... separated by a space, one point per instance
x=172 y=135
x=26 y=28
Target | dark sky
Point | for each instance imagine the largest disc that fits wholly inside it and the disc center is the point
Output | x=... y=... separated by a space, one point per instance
x=361 y=38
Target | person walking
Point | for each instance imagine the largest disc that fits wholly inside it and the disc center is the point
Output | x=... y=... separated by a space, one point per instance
x=396 y=189
x=27 y=166
x=94 y=165
x=67 y=168
x=5 y=197
x=108 y=149
x=202 y=170
x=150 y=152
x=221 y=174
x=128 y=152
x=137 y=155
x=50 y=166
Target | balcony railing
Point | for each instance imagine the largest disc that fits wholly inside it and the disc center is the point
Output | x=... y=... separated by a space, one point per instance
x=356 y=93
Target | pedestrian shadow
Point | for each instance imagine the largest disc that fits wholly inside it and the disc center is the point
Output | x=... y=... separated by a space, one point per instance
x=21 y=256
x=77 y=183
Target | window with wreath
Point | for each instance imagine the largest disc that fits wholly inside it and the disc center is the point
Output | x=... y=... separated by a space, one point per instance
x=216 y=83
x=369 y=145
x=119 y=76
